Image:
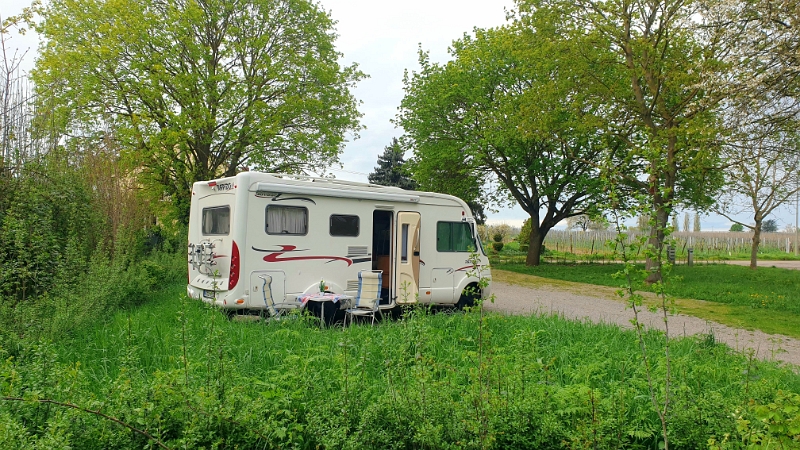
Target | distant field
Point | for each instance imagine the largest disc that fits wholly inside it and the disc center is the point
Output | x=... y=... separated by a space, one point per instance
x=708 y=246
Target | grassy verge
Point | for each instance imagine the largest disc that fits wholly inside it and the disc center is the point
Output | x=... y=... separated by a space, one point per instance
x=766 y=299
x=182 y=374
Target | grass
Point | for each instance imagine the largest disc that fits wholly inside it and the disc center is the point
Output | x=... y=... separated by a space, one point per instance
x=766 y=299
x=190 y=377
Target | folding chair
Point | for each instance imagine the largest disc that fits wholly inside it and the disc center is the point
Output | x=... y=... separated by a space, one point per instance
x=369 y=295
x=276 y=309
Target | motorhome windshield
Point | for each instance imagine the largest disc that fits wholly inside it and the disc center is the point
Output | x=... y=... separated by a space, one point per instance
x=454 y=237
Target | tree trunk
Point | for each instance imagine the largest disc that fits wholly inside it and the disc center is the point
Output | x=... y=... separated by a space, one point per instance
x=756 y=242
x=656 y=243
x=535 y=242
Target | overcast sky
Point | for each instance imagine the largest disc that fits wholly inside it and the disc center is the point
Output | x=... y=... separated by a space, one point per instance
x=383 y=38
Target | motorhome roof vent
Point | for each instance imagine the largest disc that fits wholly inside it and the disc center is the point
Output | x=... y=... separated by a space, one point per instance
x=357 y=250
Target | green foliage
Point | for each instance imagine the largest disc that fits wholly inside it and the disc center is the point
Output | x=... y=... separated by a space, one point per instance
x=194 y=91
x=497 y=109
x=101 y=287
x=391 y=169
x=497 y=245
x=524 y=235
x=437 y=381
x=769 y=226
x=737 y=227
x=49 y=228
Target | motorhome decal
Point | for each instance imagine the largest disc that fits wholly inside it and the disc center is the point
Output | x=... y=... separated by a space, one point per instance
x=275 y=256
x=302 y=199
x=359 y=260
x=276 y=197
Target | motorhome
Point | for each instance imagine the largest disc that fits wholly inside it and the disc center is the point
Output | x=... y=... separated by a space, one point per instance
x=307 y=234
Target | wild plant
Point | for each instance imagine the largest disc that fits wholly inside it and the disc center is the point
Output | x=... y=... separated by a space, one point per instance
x=483 y=368
x=632 y=277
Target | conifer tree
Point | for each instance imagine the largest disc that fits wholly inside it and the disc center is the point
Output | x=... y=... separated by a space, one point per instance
x=390 y=170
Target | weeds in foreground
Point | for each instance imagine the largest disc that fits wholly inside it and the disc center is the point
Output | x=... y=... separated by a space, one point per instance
x=544 y=382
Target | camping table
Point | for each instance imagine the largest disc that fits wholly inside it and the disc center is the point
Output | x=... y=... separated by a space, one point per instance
x=323 y=298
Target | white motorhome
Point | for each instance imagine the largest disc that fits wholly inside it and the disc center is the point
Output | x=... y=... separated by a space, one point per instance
x=301 y=230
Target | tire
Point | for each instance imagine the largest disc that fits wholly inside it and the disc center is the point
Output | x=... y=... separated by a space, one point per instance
x=468 y=297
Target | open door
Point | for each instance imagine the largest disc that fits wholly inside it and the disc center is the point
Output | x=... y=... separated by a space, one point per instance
x=407 y=257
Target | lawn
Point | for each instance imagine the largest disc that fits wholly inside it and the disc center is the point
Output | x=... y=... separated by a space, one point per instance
x=182 y=374
x=767 y=299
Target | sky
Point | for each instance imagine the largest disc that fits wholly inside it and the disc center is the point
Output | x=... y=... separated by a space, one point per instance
x=384 y=38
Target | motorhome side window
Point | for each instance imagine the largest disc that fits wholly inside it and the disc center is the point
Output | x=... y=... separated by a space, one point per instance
x=342 y=225
x=217 y=220
x=287 y=220
x=454 y=237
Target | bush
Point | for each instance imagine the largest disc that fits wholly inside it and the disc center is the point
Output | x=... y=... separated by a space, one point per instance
x=497 y=246
x=737 y=227
x=524 y=236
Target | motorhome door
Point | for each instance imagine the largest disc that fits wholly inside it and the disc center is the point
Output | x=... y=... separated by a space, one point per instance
x=407 y=257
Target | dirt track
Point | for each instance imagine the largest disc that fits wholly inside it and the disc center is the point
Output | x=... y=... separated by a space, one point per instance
x=522 y=294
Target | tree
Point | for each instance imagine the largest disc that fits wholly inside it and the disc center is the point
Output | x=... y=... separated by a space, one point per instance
x=586 y=223
x=391 y=170
x=655 y=56
x=763 y=174
x=769 y=226
x=767 y=71
x=686 y=222
x=194 y=90
x=696 y=227
x=737 y=227
x=498 y=113
x=643 y=222
x=16 y=106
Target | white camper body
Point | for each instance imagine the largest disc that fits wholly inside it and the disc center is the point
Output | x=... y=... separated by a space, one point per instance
x=304 y=230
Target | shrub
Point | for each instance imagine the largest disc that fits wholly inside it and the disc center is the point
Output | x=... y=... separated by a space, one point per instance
x=497 y=246
x=737 y=227
x=524 y=236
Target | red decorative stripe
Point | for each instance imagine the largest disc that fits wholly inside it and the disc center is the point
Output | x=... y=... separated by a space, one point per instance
x=463 y=268
x=275 y=257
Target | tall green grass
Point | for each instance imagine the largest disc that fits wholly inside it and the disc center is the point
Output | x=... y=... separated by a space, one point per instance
x=190 y=378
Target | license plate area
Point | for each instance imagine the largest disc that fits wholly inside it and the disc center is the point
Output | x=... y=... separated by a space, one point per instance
x=209 y=294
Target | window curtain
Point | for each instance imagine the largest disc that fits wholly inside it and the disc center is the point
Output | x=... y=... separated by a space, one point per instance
x=287 y=220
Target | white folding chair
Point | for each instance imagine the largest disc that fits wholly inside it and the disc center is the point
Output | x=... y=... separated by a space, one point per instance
x=369 y=296
x=275 y=309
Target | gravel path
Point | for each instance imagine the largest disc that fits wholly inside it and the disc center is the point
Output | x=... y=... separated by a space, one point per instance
x=520 y=294
x=794 y=265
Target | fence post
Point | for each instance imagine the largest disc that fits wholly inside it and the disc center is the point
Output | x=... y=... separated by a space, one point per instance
x=690 y=257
